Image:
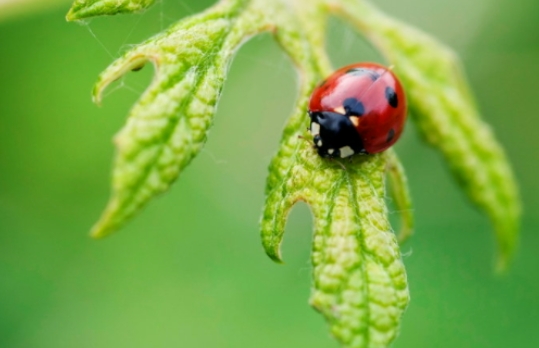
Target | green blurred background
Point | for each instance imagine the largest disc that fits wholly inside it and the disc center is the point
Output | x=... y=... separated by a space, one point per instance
x=190 y=270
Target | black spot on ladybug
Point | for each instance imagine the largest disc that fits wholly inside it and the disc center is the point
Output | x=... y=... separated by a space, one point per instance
x=353 y=107
x=390 y=135
x=391 y=97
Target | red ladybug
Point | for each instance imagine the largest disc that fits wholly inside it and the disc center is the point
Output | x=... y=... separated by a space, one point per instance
x=360 y=108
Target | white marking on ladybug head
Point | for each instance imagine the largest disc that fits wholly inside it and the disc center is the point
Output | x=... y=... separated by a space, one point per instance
x=340 y=110
x=354 y=120
x=331 y=151
x=319 y=143
x=346 y=151
x=315 y=128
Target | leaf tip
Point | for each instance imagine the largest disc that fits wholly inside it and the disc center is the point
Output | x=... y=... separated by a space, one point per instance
x=130 y=62
x=272 y=249
x=507 y=232
x=504 y=260
x=277 y=259
x=102 y=229
x=109 y=222
x=97 y=93
x=71 y=16
x=77 y=12
x=274 y=253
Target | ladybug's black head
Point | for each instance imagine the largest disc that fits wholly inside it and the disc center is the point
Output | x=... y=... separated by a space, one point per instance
x=335 y=135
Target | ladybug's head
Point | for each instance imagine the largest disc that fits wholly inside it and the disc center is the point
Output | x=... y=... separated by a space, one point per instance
x=334 y=134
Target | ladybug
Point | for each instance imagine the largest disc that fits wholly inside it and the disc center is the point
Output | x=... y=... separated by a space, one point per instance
x=360 y=108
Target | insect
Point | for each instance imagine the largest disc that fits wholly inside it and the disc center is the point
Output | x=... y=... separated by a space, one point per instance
x=360 y=108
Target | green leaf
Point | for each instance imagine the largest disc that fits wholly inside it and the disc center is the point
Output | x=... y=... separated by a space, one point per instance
x=400 y=194
x=359 y=280
x=82 y=9
x=167 y=127
x=445 y=113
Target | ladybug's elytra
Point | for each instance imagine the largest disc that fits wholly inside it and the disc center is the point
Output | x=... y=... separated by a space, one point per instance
x=360 y=108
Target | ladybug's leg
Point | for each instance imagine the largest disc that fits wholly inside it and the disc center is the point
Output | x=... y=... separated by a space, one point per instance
x=307 y=140
x=334 y=159
x=342 y=165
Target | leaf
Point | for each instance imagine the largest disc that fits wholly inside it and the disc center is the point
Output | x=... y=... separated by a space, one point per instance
x=401 y=194
x=82 y=9
x=444 y=111
x=167 y=127
x=359 y=281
